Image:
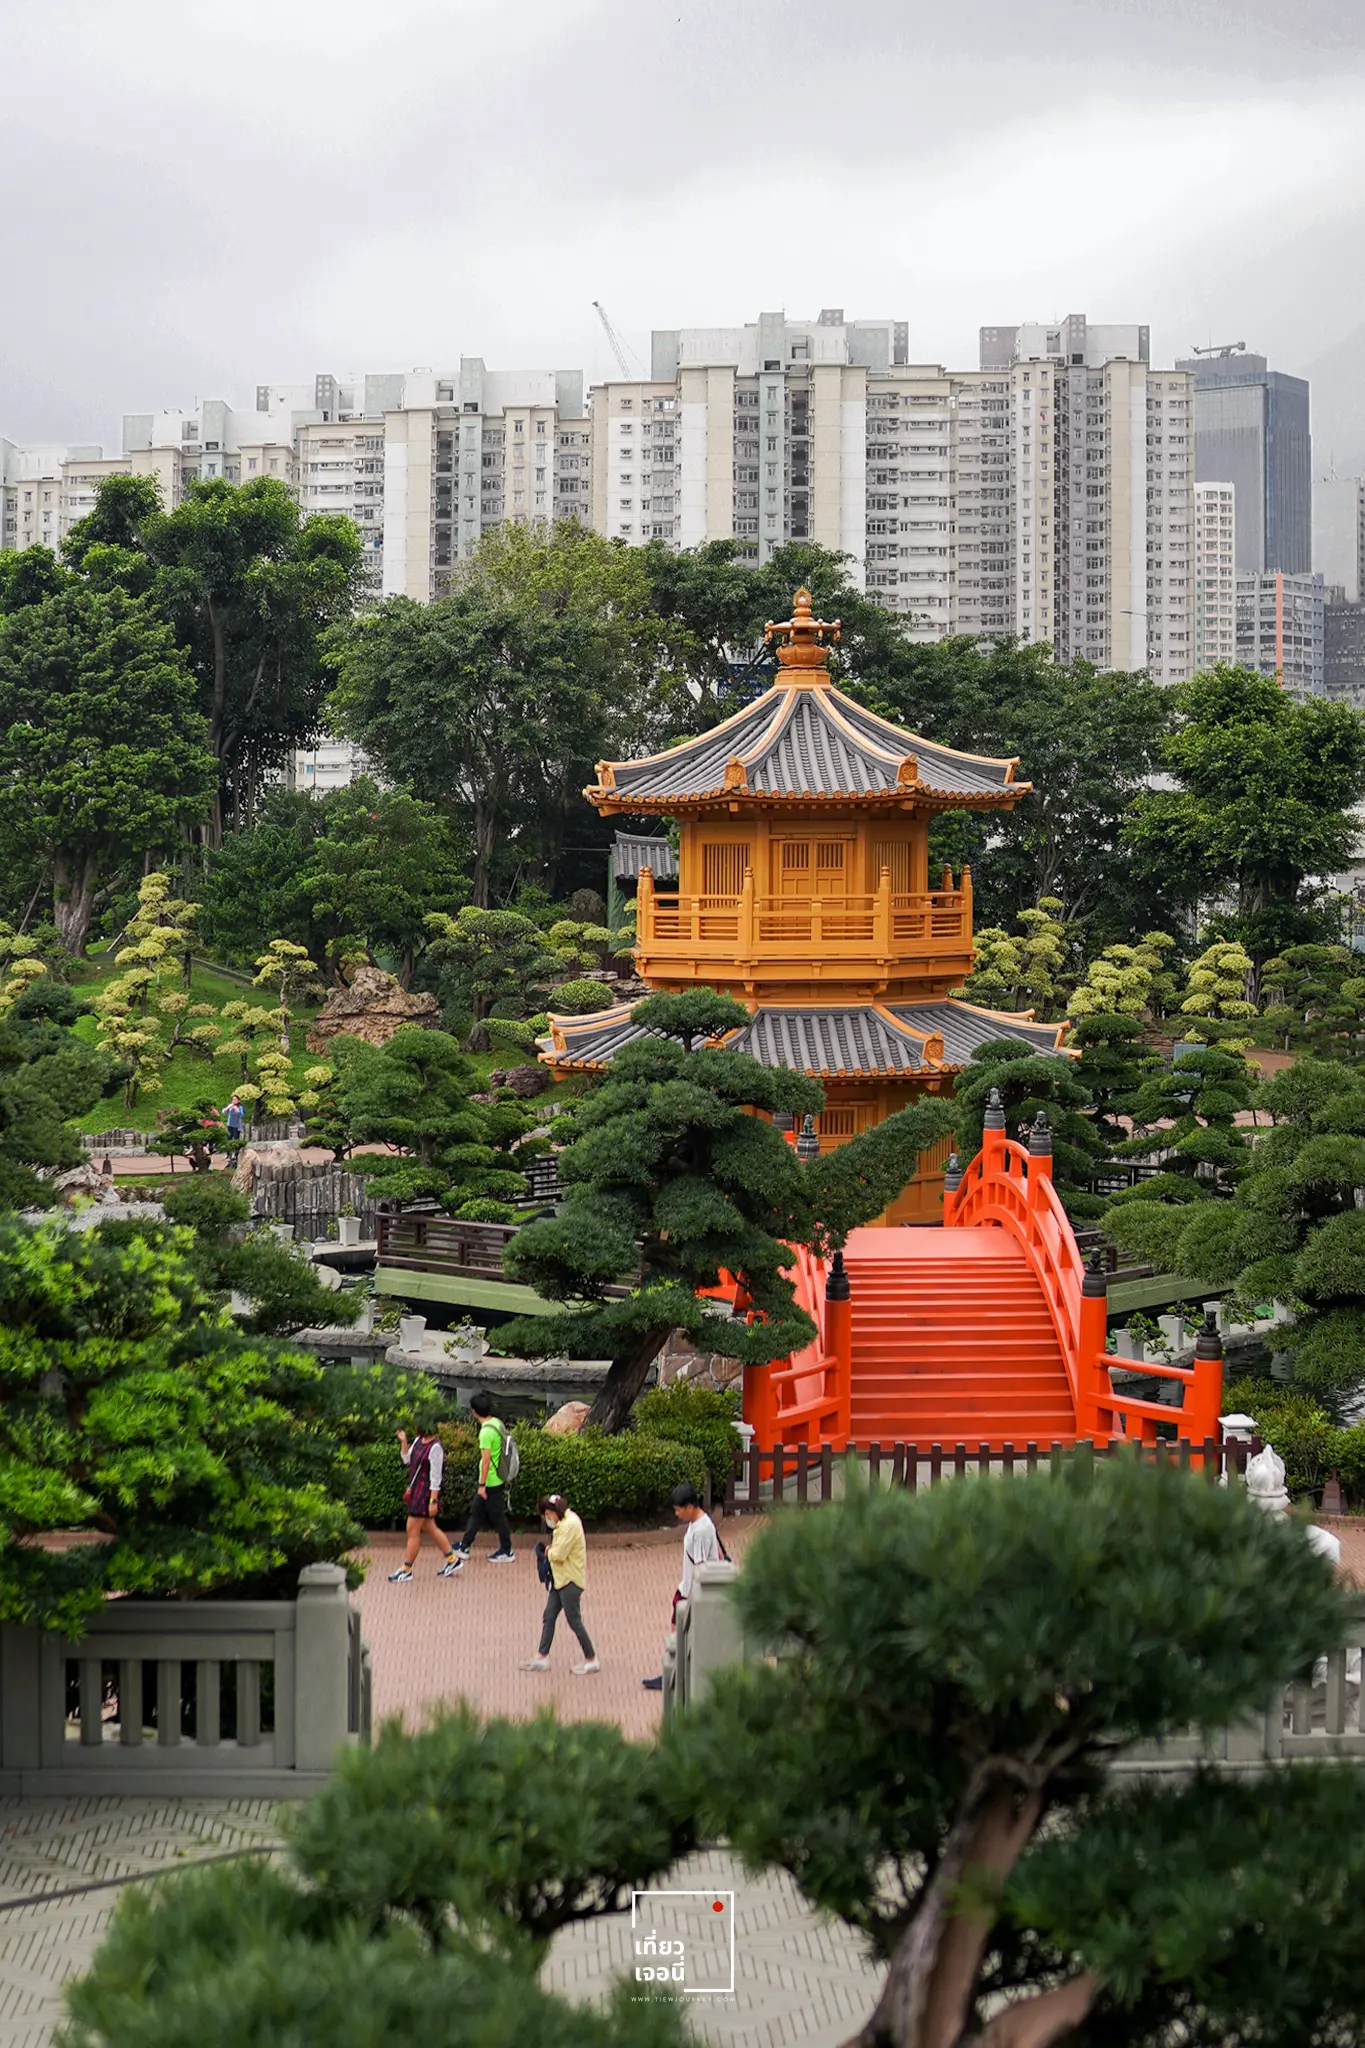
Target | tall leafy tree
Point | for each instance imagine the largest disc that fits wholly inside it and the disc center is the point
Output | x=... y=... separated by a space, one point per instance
x=1263 y=808
x=250 y=586
x=382 y=862
x=470 y=702
x=670 y=1179
x=1087 y=741
x=103 y=756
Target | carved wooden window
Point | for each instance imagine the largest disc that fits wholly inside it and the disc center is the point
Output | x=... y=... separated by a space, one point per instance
x=723 y=862
x=795 y=867
x=837 y=1123
x=893 y=854
x=830 y=867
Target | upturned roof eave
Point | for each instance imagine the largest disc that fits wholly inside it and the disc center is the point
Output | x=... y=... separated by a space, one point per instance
x=915 y=795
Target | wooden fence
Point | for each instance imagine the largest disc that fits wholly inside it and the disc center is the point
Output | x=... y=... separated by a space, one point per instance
x=806 y=1475
x=265 y=1131
x=312 y=1197
x=427 y=1241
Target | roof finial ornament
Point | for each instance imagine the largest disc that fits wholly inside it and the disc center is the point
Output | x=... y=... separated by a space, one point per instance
x=801 y=641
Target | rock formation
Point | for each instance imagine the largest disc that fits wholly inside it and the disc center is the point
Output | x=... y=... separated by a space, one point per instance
x=371 y=1006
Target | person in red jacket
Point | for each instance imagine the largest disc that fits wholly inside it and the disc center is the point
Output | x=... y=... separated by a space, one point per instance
x=425 y=1459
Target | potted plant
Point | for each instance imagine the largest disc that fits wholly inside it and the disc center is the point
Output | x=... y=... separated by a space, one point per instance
x=467 y=1343
x=348 y=1225
x=411 y=1330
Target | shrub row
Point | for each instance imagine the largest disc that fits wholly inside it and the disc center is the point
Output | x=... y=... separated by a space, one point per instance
x=631 y=1474
x=1309 y=1442
x=698 y=1416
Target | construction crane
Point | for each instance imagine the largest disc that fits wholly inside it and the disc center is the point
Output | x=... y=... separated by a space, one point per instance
x=1220 y=348
x=618 y=347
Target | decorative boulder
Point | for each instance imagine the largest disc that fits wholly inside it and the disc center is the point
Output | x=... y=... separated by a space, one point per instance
x=527 y=1081
x=371 y=1006
x=281 y=1153
x=568 y=1420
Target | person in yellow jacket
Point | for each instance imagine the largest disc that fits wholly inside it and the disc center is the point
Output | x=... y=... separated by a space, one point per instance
x=563 y=1568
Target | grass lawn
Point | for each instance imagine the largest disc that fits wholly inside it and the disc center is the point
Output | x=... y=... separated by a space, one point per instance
x=187 y=1078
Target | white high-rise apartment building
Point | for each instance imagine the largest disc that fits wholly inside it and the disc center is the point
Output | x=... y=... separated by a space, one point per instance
x=1215 y=575
x=1110 y=439
x=1048 y=493
x=465 y=451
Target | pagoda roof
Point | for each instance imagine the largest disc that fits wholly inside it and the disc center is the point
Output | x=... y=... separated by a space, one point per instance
x=632 y=851
x=854 y=1041
x=804 y=740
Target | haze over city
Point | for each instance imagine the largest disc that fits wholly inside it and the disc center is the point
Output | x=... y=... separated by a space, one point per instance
x=225 y=194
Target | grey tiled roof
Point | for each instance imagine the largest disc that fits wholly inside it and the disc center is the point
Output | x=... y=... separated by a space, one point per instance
x=854 y=1038
x=810 y=741
x=632 y=851
x=965 y=1028
x=838 y=1041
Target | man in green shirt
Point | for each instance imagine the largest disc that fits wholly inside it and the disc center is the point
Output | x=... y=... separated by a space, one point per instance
x=489 y=1509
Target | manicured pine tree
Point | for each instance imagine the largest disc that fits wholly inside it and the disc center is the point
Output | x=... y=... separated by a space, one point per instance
x=922 y=1741
x=672 y=1179
x=1031 y=1083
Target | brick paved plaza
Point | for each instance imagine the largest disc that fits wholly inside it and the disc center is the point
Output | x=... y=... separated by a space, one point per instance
x=433 y=1641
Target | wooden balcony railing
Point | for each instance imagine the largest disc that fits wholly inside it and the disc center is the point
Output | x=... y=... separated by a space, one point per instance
x=748 y=926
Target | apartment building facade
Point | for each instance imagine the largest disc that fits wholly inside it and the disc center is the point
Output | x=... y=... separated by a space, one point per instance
x=1281 y=629
x=1215 y=574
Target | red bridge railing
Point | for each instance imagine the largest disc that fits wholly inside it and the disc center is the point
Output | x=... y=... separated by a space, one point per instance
x=1009 y=1187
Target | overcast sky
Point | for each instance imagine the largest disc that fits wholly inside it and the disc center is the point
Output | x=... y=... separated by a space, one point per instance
x=208 y=194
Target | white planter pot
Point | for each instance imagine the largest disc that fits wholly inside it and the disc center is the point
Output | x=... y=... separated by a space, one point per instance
x=348 y=1230
x=364 y=1323
x=240 y=1304
x=1172 y=1329
x=283 y=1233
x=411 y=1330
x=1125 y=1344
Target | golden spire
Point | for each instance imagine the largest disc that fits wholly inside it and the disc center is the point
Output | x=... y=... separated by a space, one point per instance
x=802 y=640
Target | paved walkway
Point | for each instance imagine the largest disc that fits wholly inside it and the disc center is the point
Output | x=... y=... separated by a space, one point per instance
x=795 y=1980
x=442 y=1640
x=436 y=1641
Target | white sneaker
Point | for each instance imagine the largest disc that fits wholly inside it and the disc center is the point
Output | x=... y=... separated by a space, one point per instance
x=586 y=1670
x=534 y=1664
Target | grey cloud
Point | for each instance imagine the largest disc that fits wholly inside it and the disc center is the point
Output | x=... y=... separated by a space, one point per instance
x=212 y=204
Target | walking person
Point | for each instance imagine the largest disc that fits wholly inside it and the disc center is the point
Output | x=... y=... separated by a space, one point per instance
x=701 y=1545
x=564 y=1570
x=425 y=1459
x=234 y=1116
x=489 y=1508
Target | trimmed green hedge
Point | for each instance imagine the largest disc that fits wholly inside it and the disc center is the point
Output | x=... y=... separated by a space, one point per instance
x=699 y=1416
x=598 y=1475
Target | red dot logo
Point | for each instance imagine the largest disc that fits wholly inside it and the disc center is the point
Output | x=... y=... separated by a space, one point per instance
x=718 y=1907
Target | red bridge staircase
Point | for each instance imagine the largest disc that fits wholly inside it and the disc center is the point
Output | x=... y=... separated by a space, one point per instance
x=988 y=1331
